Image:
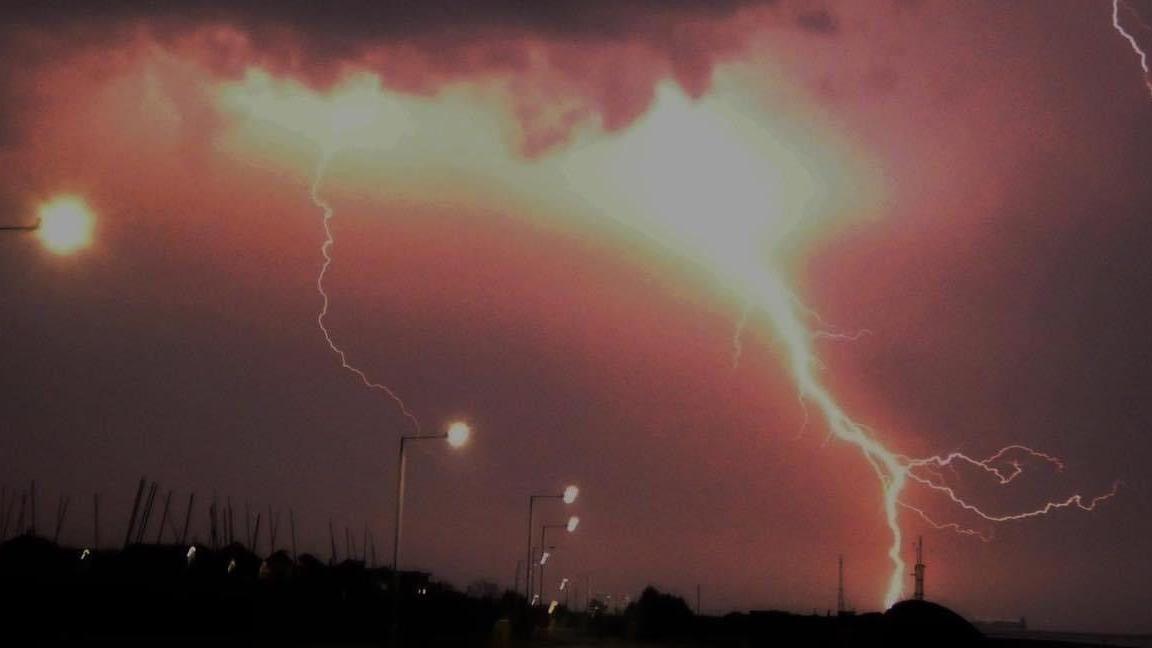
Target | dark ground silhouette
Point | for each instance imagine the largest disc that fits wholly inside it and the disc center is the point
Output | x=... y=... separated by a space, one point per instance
x=195 y=596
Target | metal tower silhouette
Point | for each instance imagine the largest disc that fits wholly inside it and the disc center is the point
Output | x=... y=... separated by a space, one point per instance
x=918 y=571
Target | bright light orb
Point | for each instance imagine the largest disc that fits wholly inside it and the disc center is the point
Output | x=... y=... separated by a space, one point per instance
x=458 y=434
x=573 y=522
x=570 y=494
x=65 y=224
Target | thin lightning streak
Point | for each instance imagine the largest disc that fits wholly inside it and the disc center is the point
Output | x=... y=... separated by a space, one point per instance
x=946 y=526
x=326 y=252
x=1132 y=41
x=988 y=465
x=1076 y=500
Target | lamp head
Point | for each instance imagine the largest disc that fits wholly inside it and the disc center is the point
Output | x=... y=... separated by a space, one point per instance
x=458 y=434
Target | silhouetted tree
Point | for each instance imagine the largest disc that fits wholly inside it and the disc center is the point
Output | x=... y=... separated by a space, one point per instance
x=658 y=616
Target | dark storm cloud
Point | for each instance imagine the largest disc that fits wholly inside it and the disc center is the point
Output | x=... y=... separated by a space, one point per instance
x=818 y=21
x=358 y=20
x=604 y=57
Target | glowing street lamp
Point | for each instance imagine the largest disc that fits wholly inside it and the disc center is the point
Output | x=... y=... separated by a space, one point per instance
x=568 y=496
x=457 y=435
x=64 y=225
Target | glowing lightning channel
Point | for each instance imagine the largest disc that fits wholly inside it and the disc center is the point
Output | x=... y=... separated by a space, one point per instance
x=895 y=472
x=326 y=251
x=1132 y=41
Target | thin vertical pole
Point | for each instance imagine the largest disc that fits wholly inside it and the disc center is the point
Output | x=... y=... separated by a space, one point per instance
x=292 y=524
x=543 y=550
x=135 y=511
x=32 y=509
x=188 y=519
x=230 y=529
x=396 y=542
x=23 y=513
x=332 y=540
x=7 y=517
x=61 y=513
x=147 y=512
x=273 y=528
x=164 y=518
x=213 y=524
x=256 y=534
x=528 y=559
x=5 y=511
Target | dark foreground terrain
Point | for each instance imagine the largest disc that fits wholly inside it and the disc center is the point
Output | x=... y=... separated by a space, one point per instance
x=167 y=595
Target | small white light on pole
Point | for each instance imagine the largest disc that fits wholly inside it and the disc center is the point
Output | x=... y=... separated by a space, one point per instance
x=458 y=434
x=573 y=522
x=544 y=557
x=65 y=224
x=570 y=494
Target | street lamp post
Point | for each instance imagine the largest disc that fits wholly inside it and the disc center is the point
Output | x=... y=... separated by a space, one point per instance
x=571 y=525
x=569 y=495
x=457 y=435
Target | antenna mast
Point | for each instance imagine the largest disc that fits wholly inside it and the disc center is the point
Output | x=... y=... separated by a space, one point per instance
x=918 y=572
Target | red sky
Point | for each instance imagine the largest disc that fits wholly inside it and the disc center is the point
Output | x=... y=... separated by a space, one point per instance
x=526 y=217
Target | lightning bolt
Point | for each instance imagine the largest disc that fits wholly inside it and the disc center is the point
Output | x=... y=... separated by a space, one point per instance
x=768 y=299
x=326 y=252
x=1132 y=41
x=895 y=472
